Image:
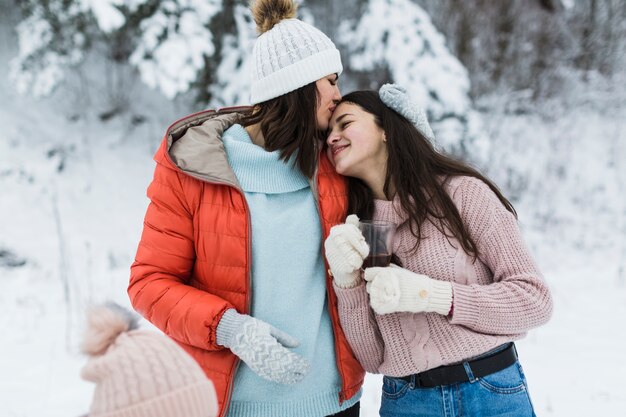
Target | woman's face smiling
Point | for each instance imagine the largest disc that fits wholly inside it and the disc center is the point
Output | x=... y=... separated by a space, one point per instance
x=356 y=144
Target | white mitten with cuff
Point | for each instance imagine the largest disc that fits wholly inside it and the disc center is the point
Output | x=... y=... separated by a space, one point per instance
x=393 y=290
x=345 y=250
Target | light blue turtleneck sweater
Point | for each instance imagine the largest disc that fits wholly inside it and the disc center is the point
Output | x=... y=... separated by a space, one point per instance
x=288 y=283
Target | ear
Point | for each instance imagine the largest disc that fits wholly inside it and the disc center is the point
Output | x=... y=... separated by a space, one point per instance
x=384 y=137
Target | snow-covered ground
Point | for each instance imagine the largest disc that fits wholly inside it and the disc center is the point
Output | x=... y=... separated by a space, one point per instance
x=73 y=198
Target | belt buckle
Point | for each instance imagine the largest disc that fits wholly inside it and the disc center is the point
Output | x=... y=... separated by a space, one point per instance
x=418 y=381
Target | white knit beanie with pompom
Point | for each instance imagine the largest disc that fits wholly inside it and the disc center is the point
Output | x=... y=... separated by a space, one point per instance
x=288 y=53
x=141 y=373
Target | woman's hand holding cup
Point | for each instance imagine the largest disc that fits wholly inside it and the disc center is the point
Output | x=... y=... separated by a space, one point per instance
x=345 y=250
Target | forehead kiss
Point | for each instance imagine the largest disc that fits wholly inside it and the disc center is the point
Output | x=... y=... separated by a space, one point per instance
x=351 y=116
x=341 y=113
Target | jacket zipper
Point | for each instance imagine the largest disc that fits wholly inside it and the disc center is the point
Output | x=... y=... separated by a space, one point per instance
x=229 y=393
x=328 y=287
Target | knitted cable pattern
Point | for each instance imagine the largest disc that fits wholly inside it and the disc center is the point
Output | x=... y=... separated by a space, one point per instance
x=140 y=373
x=497 y=298
x=263 y=348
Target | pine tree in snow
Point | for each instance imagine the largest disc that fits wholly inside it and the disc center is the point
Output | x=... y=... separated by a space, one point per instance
x=51 y=39
x=166 y=40
x=398 y=35
x=230 y=80
x=174 y=43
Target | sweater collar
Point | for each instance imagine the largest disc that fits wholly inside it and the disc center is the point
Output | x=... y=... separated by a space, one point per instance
x=257 y=170
x=390 y=211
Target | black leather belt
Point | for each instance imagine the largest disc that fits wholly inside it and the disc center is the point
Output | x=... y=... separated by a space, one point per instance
x=454 y=374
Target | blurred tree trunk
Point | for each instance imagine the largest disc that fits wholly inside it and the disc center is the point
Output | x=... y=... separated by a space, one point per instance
x=505 y=27
x=587 y=41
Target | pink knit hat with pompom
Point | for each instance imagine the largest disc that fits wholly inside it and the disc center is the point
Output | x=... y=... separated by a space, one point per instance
x=140 y=373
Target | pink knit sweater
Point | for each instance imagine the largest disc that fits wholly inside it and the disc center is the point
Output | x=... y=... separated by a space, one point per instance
x=497 y=298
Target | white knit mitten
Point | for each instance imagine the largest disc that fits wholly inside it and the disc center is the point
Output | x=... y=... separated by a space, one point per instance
x=345 y=251
x=393 y=289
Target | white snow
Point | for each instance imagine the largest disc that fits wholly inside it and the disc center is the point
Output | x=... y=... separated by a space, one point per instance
x=106 y=12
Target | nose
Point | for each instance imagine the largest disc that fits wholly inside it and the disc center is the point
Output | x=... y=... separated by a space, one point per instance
x=333 y=137
x=336 y=94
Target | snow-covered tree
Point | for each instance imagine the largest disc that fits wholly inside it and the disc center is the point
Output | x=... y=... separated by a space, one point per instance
x=166 y=40
x=399 y=37
x=52 y=38
x=229 y=69
x=539 y=45
x=174 y=43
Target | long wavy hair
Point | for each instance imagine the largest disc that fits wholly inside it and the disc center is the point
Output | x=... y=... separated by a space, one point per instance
x=418 y=173
x=289 y=125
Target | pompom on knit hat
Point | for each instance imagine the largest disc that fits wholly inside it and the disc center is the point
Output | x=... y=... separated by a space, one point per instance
x=141 y=373
x=288 y=53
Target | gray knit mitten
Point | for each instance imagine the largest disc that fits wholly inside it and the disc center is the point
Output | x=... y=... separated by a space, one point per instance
x=398 y=99
x=262 y=347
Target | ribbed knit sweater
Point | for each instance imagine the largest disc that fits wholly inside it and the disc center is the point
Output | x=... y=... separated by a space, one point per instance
x=496 y=299
x=288 y=283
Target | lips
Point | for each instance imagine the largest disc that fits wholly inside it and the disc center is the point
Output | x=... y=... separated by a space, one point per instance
x=336 y=149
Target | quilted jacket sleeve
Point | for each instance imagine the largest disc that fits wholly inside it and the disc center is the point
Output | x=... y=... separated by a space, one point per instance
x=163 y=265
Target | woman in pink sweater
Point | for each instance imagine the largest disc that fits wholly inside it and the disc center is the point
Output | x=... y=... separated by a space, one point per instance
x=440 y=328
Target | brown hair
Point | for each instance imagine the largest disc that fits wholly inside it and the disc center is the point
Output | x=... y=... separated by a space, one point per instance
x=289 y=125
x=418 y=172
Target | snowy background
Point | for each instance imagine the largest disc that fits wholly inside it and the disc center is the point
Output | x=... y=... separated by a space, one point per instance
x=87 y=89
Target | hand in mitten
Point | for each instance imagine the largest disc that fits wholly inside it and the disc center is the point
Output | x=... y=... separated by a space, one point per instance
x=262 y=347
x=393 y=289
x=345 y=251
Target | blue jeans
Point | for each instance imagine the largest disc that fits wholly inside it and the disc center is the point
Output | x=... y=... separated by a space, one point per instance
x=504 y=393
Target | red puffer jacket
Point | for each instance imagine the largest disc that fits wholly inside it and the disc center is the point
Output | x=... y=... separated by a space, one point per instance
x=194 y=257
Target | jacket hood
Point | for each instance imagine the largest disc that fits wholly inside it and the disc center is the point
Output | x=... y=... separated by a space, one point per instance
x=194 y=145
